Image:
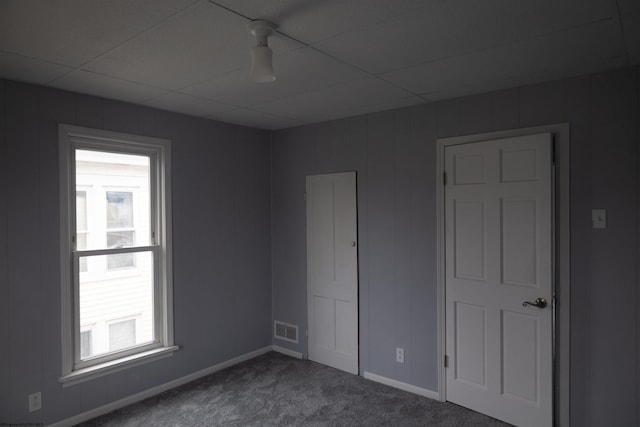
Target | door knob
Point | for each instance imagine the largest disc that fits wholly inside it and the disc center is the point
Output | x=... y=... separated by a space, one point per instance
x=539 y=302
x=353 y=244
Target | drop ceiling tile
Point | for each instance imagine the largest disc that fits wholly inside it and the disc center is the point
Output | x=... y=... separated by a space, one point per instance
x=18 y=67
x=590 y=67
x=448 y=29
x=256 y=119
x=629 y=7
x=541 y=17
x=476 y=88
x=372 y=107
x=587 y=43
x=631 y=29
x=72 y=32
x=439 y=48
x=202 y=42
x=107 y=87
x=297 y=71
x=186 y=104
x=564 y=49
x=526 y=79
x=353 y=95
x=313 y=21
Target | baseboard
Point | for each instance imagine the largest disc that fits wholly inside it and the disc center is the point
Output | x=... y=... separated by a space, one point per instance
x=402 y=386
x=286 y=351
x=85 y=416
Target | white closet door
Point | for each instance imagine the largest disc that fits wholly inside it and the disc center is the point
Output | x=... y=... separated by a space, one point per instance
x=332 y=270
x=499 y=252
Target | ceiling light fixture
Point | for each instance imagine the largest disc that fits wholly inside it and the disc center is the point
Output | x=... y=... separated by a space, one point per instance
x=261 y=55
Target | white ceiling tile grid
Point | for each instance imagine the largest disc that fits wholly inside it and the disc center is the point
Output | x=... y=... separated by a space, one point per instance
x=72 y=32
x=332 y=58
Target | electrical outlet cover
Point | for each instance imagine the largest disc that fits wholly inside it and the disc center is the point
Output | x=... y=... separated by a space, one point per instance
x=35 y=402
x=599 y=218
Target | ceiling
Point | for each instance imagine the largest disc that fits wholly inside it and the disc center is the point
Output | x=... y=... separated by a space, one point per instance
x=332 y=58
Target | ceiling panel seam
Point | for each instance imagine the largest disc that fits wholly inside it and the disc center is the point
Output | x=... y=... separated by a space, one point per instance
x=312 y=47
x=500 y=45
x=624 y=39
x=138 y=34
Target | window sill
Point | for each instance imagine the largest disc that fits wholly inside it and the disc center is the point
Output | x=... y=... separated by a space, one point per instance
x=86 y=374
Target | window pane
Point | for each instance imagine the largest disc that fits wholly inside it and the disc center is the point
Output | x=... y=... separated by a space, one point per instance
x=81 y=243
x=81 y=210
x=116 y=262
x=120 y=239
x=122 y=335
x=119 y=209
x=113 y=194
x=104 y=299
x=85 y=344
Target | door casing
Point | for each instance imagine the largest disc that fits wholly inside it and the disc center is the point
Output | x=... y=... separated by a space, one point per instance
x=562 y=278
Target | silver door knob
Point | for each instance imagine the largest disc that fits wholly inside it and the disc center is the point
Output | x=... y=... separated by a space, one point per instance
x=539 y=302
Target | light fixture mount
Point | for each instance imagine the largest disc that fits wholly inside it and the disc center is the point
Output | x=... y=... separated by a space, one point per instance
x=261 y=55
x=261 y=29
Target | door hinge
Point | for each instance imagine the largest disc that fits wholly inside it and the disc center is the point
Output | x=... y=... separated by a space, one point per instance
x=444 y=178
x=306 y=333
x=446 y=361
x=305 y=196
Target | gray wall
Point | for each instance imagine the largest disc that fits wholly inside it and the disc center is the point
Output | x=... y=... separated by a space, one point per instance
x=221 y=229
x=394 y=154
x=223 y=251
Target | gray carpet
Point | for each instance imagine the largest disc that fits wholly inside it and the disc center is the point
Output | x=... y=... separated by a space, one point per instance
x=277 y=390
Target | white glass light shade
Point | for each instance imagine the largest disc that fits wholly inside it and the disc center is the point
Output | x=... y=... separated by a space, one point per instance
x=262 y=64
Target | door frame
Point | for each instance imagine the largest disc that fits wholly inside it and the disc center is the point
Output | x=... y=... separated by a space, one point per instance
x=562 y=274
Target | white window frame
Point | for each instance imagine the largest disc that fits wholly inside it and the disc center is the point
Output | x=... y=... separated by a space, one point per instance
x=75 y=370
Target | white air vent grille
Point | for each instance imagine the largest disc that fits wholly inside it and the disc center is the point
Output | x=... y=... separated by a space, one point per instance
x=285 y=331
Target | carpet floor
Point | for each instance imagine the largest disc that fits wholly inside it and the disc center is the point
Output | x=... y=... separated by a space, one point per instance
x=277 y=390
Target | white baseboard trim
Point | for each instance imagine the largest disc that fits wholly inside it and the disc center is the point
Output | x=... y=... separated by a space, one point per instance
x=402 y=386
x=286 y=351
x=85 y=416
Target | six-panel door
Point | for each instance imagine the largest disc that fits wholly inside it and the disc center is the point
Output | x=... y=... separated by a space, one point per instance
x=498 y=216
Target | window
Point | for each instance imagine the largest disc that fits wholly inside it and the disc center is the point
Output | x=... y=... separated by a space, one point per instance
x=116 y=251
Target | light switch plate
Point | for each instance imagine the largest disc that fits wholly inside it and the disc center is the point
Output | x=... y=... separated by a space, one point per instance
x=599 y=218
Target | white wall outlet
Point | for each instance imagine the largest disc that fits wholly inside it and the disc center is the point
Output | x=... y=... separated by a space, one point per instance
x=35 y=402
x=599 y=218
x=400 y=355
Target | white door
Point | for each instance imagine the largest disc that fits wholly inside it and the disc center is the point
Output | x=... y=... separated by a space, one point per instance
x=332 y=270
x=499 y=252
